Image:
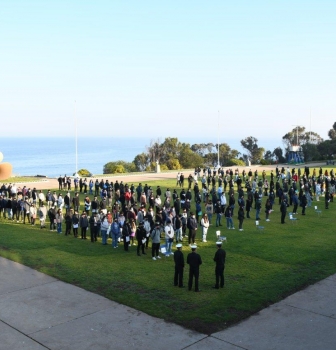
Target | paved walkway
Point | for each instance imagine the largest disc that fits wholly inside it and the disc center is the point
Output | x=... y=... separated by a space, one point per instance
x=40 y=312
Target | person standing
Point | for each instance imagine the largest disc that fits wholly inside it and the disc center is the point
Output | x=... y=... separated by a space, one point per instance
x=75 y=202
x=304 y=203
x=42 y=215
x=169 y=237
x=179 y=266
x=32 y=214
x=219 y=259
x=68 y=221
x=93 y=227
x=126 y=231
x=241 y=217
x=26 y=207
x=192 y=226
x=156 y=237
x=194 y=261
x=268 y=208
x=115 y=232
x=59 y=220
x=60 y=183
x=228 y=216
x=177 y=223
x=209 y=210
x=205 y=226
x=141 y=238
x=75 y=223
x=218 y=211
x=67 y=202
x=104 y=227
x=327 y=199
x=84 y=224
x=283 y=209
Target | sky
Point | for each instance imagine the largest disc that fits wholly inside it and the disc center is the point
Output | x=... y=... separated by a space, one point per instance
x=219 y=69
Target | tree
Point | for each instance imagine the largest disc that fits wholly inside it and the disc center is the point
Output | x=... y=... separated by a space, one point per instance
x=254 y=151
x=170 y=149
x=226 y=153
x=327 y=149
x=84 y=173
x=154 y=150
x=203 y=149
x=298 y=137
x=235 y=162
x=332 y=132
x=188 y=158
x=141 y=161
x=118 y=167
x=269 y=156
x=173 y=164
x=310 y=152
x=278 y=154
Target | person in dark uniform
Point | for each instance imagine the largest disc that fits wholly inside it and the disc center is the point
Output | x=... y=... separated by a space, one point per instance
x=179 y=266
x=327 y=199
x=194 y=260
x=219 y=259
x=283 y=209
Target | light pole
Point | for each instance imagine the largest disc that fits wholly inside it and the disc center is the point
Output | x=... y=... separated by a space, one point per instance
x=297 y=134
x=76 y=146
x=218 y=143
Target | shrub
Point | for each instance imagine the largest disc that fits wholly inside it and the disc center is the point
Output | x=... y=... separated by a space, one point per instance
x=235 y=162
x=174 y=164
x=265 y=162
x=84 y=173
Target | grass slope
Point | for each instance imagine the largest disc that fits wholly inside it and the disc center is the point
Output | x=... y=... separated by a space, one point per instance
x=262 y=267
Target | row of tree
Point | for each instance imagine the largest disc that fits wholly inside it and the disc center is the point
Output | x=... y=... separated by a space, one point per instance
x=172 y=154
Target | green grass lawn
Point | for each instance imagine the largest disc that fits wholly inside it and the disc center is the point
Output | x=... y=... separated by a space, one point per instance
x=262 y=267
x=20 y=179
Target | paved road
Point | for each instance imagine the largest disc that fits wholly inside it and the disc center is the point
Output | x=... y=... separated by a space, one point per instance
x=40 y=312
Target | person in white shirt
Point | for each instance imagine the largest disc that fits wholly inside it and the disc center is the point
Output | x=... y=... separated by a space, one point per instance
x=169 y=237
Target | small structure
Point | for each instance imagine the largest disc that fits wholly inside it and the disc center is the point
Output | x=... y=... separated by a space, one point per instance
x=295 y=155
x=157 y=167
x=5 y=169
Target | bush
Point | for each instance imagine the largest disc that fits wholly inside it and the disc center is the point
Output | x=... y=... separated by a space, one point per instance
x=174 y=164
x=163 y=167
x=235 y=162
x=265 y=162
x=84 y=173
x=119 y=167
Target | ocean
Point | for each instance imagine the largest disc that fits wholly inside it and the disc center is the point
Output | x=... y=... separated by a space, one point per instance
x=53 y=157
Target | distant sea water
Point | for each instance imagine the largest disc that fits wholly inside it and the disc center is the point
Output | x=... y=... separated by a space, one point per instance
x=56 y=156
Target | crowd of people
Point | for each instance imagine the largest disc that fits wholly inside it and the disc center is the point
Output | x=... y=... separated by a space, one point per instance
x=212 y=196
x=138 y=215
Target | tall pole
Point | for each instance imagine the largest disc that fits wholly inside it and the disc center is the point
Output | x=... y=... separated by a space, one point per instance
x=218 y=142
x=76 y=134
x=297 y=134
x=310 y=127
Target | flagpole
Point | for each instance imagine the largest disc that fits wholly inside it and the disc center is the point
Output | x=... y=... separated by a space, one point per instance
x=218 y=143
x=76 y=143
x=310 y=127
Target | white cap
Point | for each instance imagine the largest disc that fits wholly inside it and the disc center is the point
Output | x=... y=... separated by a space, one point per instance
x=179 y=245
x=194 y=246
x=219 y=243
